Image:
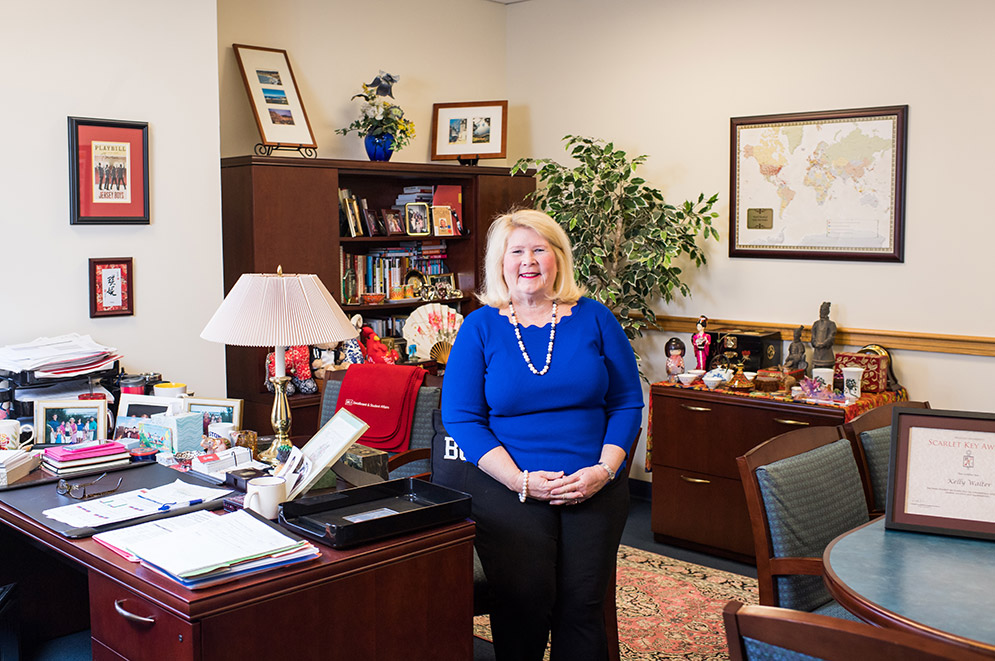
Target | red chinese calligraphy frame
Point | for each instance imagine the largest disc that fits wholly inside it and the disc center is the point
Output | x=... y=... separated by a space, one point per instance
x=99 y=304
x=900 y=477
x=108 y=172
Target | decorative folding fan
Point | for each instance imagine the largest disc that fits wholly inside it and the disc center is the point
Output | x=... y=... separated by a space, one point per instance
x=431 y=330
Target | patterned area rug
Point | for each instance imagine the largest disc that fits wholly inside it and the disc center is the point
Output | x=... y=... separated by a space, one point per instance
x=668 y=609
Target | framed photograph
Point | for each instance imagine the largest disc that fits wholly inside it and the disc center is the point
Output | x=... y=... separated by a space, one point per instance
x=215 y=410
x=108 y=172
x=274 y=97
x=819 y=185
x=942 y=477
x=145 y=406
x=392 y=222
x=442 y=278
x=443 y=223
x=416 y=219
x=112 y=290
x=63 y=421
x=127 y=428
x=468 y=131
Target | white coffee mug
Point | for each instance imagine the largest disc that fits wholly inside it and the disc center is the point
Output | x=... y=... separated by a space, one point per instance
x=824 y=375
x=264 y=495
x=852 y=376
x=169 y=389
x=221 y=430
x=10 y=434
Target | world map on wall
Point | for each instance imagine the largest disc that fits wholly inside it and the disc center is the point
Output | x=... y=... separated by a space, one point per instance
x=824 y=185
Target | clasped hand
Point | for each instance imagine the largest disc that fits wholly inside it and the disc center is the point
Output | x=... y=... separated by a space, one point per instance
x=560 y=489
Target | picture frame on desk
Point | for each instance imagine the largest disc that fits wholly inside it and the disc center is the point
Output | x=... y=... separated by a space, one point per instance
x=392 y=221
x=274 y=96
x=108 y=172
x=416 y=219
x=857 y=159
x=469 y=130
x=112 y=288
x=215 y=410
x=70 y=421
x=942 y=477
x=145 y=406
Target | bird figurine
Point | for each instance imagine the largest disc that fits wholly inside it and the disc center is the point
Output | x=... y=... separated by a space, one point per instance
x=383 y=83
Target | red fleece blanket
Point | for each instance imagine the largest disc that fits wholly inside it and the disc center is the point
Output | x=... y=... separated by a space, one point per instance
x=382 y=396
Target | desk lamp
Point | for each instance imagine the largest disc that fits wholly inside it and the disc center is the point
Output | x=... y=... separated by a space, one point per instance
x=278 y=310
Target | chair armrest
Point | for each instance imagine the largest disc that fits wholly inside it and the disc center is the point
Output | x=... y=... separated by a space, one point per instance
x=796 y=565
x=406 y=457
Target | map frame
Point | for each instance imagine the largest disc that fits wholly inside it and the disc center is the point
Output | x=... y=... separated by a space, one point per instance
x=742 y=245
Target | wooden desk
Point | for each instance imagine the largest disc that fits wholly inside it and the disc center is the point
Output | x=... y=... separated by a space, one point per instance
x=933 y=584
x=404 y=598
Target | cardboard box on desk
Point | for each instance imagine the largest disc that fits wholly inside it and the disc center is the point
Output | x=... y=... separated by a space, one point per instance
x=875 y=377
x=187 y=429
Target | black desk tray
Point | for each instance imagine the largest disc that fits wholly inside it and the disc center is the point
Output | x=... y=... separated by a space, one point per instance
x=364 y=514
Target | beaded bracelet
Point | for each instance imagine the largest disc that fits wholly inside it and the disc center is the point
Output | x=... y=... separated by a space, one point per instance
x=525 y=487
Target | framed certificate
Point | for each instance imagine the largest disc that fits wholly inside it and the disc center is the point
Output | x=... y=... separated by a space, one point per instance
x=942 y=477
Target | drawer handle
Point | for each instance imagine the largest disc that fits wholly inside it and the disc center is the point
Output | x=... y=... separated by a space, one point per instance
x=702 y=409
x=785 y=421
x=131 y=617
x=695 y=480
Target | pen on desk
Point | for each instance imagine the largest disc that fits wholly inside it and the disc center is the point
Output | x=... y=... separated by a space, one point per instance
x=169 y=506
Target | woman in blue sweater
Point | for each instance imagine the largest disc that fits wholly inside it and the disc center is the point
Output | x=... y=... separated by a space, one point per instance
x=542 y=394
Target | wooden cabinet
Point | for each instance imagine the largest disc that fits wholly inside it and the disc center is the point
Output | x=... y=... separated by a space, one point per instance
x=698 y=500
x=285 y=212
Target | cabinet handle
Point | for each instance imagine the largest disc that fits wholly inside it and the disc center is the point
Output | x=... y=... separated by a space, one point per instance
x=702 y=409
x=695 y=480
x=785 y=421
x=131 y=617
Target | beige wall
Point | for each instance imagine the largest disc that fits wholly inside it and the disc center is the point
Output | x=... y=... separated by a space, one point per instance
x=112 y=59
x=443 y=51
x=663 y=78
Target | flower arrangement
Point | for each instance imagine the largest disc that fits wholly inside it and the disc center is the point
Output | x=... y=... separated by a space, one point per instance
x=378 y=116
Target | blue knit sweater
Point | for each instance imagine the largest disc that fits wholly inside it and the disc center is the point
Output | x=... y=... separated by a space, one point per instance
x=590 y=396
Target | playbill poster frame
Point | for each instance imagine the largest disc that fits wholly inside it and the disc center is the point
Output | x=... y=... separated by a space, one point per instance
x=942 y=477
x=108 y=172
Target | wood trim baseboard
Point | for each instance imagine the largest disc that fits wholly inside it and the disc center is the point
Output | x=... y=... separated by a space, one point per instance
x=856 y=337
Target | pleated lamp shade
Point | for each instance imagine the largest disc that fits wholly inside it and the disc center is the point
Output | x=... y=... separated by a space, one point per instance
x=278 y=310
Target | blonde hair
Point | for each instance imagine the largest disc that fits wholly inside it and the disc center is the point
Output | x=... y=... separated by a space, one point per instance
x=495 y=290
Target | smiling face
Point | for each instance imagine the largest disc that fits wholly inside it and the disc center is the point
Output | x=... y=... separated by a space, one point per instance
x=529 y=265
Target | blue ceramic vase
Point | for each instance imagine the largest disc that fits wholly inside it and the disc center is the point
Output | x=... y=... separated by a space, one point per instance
x=379 y=147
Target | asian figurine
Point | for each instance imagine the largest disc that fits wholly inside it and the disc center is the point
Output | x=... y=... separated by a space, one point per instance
x=823 y=338
x=675 y=357
x=702 y=343
x=796 y=352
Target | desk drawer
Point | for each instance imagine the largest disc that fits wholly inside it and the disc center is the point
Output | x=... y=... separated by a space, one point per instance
x=704 y=509
x=136 y=628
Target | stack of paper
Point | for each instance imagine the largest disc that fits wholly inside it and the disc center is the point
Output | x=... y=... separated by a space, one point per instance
x=50 y=357
x=82 y=457
x=15 y=464
x=219 y=549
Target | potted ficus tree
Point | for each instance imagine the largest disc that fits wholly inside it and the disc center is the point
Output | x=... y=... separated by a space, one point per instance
x=627 y=239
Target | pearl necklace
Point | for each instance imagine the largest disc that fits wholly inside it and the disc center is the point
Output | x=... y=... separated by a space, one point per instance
x=521 y=345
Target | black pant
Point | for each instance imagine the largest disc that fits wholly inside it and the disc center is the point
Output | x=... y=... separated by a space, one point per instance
x=548 y=568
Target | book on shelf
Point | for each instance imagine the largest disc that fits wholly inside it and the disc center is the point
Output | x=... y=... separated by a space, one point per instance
x=452 y=197
x=405 y=198
x=419 y=189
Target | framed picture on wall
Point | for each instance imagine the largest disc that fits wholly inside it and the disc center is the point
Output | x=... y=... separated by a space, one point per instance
x=112 y=290
x=108 y=172
x=470 y=130
x=819 y=185
x=276 y=102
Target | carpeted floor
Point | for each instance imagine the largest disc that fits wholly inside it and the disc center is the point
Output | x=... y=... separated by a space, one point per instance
x=668 y=608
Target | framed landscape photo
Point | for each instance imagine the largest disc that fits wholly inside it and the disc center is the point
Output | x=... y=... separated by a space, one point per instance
x=416 y=219
x=942 y=477
x=442 y=221
x=819 y=185
x=108 y=172
x=276 y=102
x=470 y=130
x=112 y=290
x=215 y=410
x=64 y=421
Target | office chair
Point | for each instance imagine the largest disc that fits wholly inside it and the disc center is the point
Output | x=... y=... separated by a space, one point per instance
x=413 y=462
x=802 y=491
x=765 y=633
x=870 y=435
